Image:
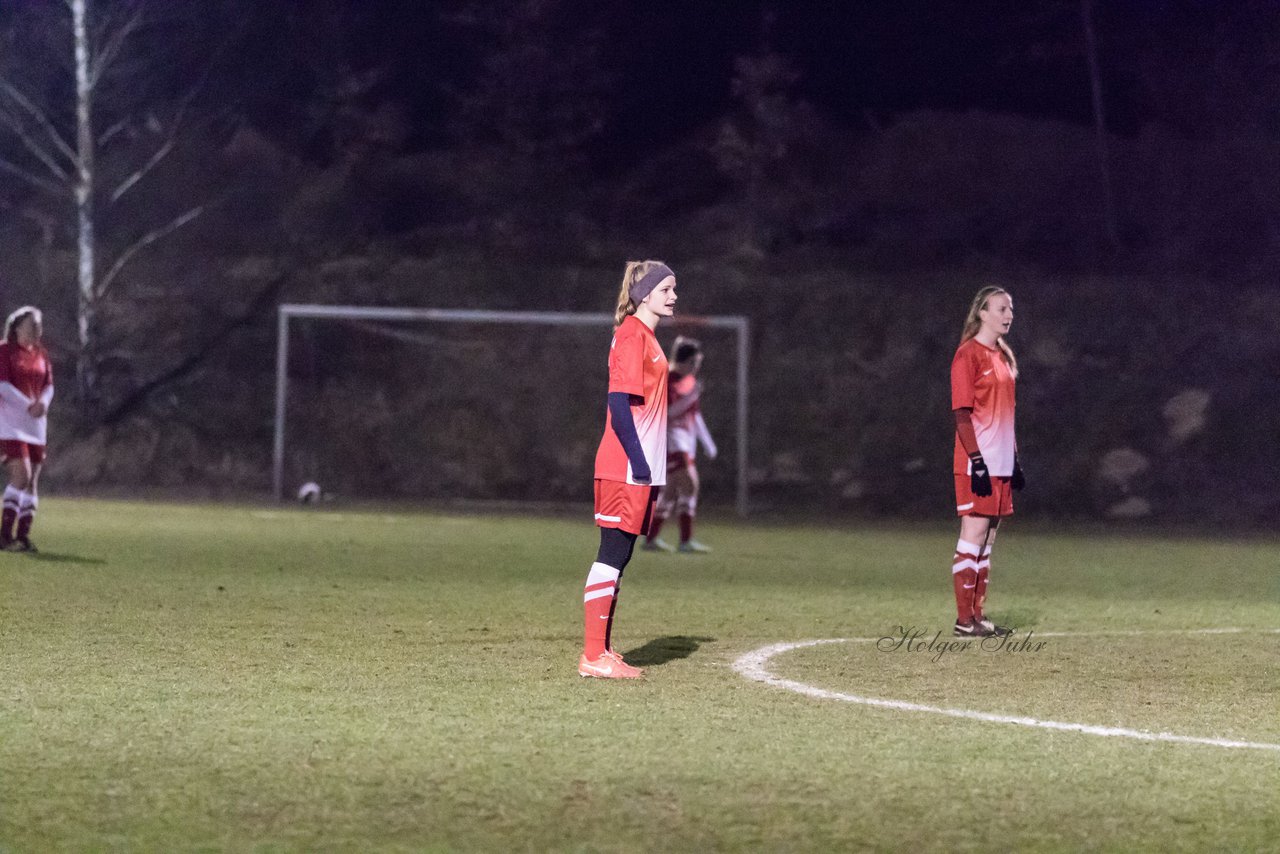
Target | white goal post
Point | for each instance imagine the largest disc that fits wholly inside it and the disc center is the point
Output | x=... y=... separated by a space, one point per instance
x=288 y=311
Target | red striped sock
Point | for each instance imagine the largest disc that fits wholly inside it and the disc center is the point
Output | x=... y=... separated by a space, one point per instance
x=980 y=591
x=964 y=577
x=597 y=609
x=613 y=606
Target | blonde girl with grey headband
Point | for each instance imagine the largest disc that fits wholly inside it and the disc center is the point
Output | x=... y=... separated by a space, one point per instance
x=631 y=460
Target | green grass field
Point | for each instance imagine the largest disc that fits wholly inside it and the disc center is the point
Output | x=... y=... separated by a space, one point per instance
x=177 y=678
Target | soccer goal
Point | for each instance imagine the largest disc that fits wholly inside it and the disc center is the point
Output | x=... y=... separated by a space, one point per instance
x=474 y=393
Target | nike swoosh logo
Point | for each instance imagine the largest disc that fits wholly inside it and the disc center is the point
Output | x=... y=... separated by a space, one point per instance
x=984 y=373
x=966 y=587
x=604 y=616
x=657 y=357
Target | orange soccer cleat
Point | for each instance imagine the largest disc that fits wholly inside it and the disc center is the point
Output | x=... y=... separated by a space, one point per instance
x=608 y=666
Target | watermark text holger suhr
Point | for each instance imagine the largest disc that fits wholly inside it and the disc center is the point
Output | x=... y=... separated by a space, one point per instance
x=934 y=645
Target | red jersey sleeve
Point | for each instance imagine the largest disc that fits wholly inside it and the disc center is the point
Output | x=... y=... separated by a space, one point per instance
x=626 y=363
x=963 y=373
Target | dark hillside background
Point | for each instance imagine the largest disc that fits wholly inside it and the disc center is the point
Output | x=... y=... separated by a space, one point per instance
x=845 y=174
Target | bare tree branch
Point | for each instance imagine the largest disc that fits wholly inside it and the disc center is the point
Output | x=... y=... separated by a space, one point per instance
x=109 y=51
x=104 y=19
x=19 y=127
x=35 y=180
x=20 y=131
x=142 y=243
x=175 y=125
x=141 y=172
x=107 y=135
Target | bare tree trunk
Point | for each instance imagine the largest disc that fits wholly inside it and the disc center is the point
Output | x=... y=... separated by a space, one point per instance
x=86 y=363
x=1099 y=122
x=70 y=163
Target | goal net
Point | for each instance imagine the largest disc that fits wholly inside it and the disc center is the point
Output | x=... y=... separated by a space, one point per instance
x=428 y=404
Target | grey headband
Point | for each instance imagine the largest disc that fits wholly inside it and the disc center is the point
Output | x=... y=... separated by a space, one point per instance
x=648 y=282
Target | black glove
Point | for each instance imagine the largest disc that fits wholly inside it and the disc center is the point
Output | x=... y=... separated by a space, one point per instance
x=979 y=477
x=641 y=475
x=1018 y=480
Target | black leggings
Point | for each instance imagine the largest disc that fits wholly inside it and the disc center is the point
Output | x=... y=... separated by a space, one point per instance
x=615 y=548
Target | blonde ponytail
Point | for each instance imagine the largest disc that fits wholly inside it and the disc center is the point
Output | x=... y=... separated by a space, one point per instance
x=625 y=306
x=973 y=322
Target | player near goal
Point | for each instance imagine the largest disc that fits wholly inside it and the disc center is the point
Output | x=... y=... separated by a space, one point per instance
x=630 y=462
x=983 y=374
x=686 y=428
x=26 y=390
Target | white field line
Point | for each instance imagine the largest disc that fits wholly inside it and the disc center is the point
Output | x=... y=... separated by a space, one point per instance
x=753 y=665
x=302 y=514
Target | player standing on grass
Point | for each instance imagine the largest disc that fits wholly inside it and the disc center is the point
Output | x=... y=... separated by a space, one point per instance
x=631 y=460
x=26 y=390
x=983 y=374
x=686 y=428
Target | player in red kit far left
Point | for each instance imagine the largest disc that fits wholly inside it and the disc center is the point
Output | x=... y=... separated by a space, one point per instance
x=26 y=390
x=631 y=460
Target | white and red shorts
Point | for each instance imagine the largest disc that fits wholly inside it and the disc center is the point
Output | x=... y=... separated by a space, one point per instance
x=998 y=503
x=678 y=461
x=12 y=449
x=625 y=506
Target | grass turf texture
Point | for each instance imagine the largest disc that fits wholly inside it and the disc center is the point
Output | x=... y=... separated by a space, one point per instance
x=226 y=678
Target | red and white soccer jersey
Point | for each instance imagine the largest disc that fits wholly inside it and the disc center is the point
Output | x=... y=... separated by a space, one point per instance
x=25 y=377
x=982 y=381
x=638 y=367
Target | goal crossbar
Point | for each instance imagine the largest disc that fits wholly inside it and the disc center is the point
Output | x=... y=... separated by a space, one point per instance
x=303 y=311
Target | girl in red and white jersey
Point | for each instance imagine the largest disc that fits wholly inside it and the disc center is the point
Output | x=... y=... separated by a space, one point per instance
x=26 y=390
x=631 y=460
x=686 y=428
x=983 y=374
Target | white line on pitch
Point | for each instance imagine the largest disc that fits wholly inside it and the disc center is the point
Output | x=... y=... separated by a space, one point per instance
x=752 y=666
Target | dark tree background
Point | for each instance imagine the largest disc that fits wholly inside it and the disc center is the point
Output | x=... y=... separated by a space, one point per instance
x=846 y=174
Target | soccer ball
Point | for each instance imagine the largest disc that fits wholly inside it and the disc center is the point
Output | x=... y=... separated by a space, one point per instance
x=309 y=492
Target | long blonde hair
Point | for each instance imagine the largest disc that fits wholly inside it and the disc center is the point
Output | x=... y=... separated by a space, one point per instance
x=973 y=322
x=626 y=305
